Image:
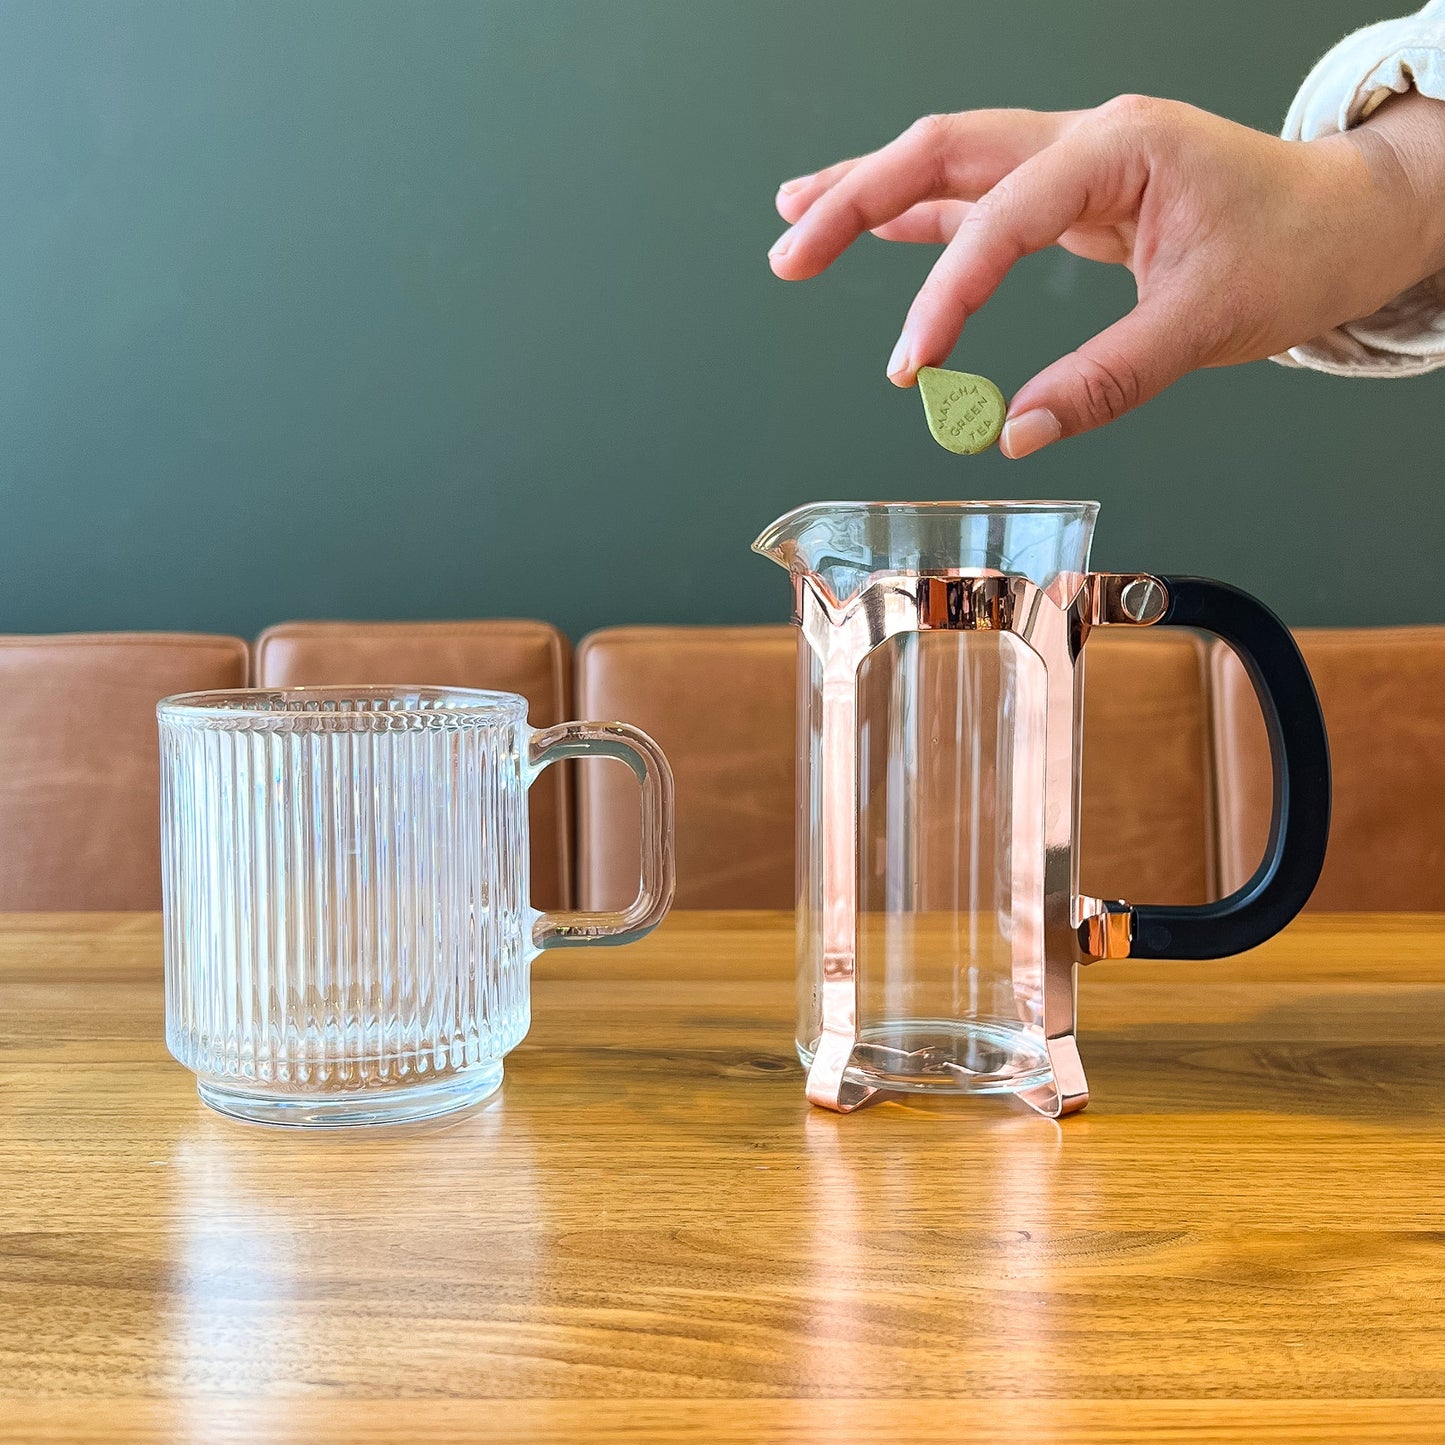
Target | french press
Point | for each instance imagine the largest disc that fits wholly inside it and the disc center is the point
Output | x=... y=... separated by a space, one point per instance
x=940 y=689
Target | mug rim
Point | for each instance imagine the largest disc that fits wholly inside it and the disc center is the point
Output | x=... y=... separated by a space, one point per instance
x=243 y=702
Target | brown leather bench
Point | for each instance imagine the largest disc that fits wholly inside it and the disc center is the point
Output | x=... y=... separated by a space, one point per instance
x=1175 y=778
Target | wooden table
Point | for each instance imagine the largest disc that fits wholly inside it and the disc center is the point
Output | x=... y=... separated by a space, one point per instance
x=648 y=1235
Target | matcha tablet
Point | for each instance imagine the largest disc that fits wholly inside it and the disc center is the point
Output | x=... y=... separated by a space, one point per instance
x=965 y=412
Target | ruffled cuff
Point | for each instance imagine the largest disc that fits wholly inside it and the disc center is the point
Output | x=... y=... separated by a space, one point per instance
x=1407 y=336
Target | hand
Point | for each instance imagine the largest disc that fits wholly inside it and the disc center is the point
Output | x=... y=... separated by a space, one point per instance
x=1241 y=245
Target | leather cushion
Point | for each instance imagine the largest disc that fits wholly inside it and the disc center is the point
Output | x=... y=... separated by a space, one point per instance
x=1383 y=695
x=80 y=765
x=530 y=658
x=1147 y=830
x=719 y=700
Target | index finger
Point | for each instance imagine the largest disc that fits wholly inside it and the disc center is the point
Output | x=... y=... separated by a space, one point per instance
x=1063 y=184
x=956 y=157
x=794 y=197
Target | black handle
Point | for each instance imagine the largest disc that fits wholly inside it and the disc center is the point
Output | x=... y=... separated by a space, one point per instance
x=1299 y=750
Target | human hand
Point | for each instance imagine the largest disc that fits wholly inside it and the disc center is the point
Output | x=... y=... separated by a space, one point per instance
x=1241 y=245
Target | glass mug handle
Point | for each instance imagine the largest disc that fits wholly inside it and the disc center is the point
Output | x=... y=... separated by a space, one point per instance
x=570 y=929
x=1299 y=752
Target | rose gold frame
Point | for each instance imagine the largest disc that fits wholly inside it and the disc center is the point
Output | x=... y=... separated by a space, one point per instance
x=1054 y=623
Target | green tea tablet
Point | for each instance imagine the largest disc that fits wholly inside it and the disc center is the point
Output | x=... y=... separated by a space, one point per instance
x=965 y=412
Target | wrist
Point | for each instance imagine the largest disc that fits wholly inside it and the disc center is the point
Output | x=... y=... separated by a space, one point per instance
x=1403 y=147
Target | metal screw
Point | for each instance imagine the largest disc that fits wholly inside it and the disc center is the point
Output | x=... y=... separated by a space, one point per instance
x=1143 y=600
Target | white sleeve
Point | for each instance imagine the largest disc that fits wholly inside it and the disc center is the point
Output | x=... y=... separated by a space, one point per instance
x=1407 y=336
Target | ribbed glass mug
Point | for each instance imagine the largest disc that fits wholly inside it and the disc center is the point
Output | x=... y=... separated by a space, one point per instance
x=348 y=932
x=940 y=691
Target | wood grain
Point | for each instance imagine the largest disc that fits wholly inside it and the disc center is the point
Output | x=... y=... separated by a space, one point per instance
x=648 y=1235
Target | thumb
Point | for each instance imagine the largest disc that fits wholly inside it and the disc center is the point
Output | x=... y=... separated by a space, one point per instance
x=1110 y=374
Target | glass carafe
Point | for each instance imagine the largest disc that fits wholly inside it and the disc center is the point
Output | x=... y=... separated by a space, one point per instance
x=940 y=690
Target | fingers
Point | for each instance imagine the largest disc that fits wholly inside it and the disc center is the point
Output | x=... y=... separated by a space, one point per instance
x=931 y=223
x=1029 y=209
x=794 y=197
x=1112 y=373
x=940 y=157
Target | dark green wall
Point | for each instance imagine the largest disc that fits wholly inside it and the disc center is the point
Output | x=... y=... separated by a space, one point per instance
x=371 y=308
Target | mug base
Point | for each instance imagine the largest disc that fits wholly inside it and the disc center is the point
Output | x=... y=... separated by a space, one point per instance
x=945 y=1056
x=410 y=1104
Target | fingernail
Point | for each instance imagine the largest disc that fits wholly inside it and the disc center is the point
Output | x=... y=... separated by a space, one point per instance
x=780 y=246
x=898 y=362
x=1029 y=432
x=788 y=187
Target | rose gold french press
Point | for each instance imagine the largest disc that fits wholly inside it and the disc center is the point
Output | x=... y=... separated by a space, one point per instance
x=940 y=689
